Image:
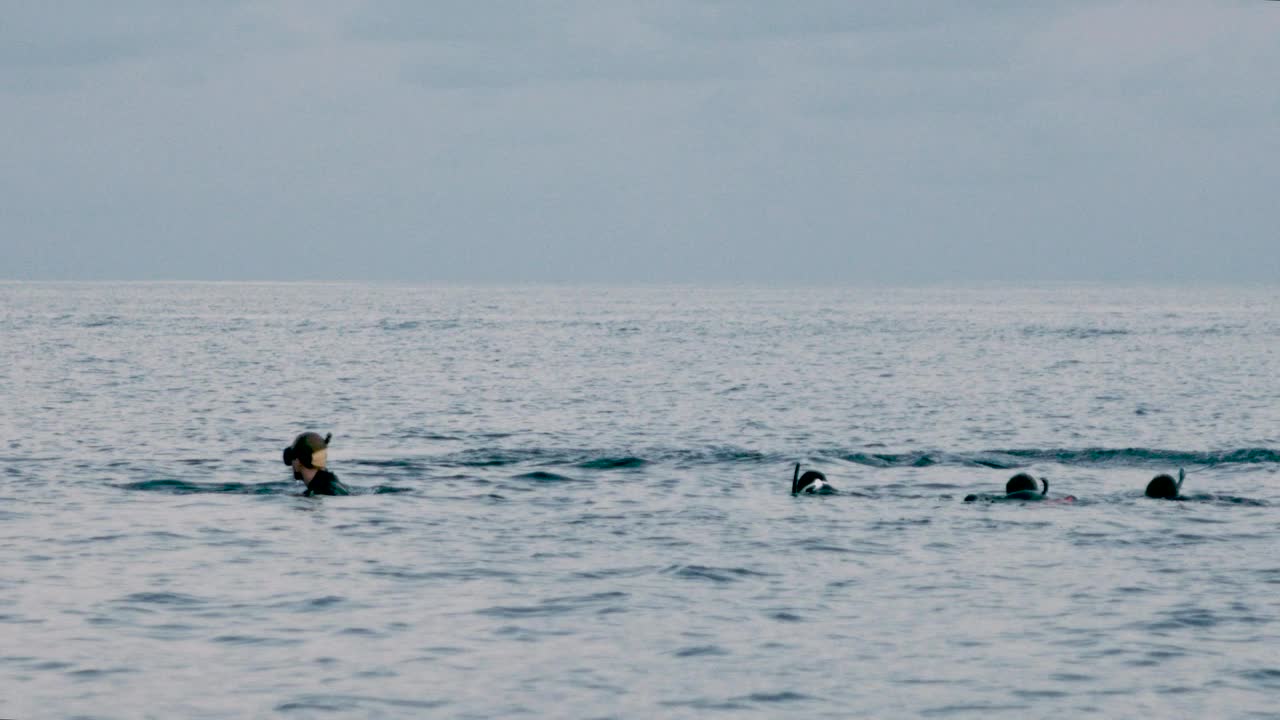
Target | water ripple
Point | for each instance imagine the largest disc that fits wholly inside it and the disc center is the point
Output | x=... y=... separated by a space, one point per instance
x=575 y=501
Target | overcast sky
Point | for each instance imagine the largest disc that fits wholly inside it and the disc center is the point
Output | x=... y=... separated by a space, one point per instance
x=831 y=141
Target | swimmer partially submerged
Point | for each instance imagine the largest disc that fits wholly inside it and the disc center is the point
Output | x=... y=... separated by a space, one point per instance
x=811 y=483
x=308 y=456
x=1022 y=487
x=1164 y=487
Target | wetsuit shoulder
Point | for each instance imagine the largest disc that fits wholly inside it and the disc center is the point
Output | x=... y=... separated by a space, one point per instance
x=326 y=483
x=984 y=497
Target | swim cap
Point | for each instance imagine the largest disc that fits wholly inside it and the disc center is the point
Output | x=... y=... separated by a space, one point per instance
x=310 y=449
x=1019 y=482
x=1162 y=486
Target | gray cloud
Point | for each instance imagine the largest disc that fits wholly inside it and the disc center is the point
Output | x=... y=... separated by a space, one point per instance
x=79 y=33
x=718 y=141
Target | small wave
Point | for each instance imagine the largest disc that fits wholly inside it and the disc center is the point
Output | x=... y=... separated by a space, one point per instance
x=1224 y=500
x=544 y=477
x=624 y=572
x=171 y=486
x=595 y=459
x=256 y=640
x=409 y=464
x=724 y=455
x=350 y=703
x=778 y=697
x=95 y=673
x=589 y=518
x=161 y=598
x=417 y=434
x=813 y=545
x=184 y=487
x=389 y=324
x=1007 y=459
x=322 y=602
x=613 y=463
x=713 y=574
x=928 y=458
x=1211 y=330
x=1074 y=333
x=1148 y=456
x=971 y=709
x=704 y=705
x=19 y=459
x=1183 y=618
x=554 y=606
x=603 y=459
x=493 y=458
x=1267 y=677
x=96 y=321
x=465 y=575
x=701 y=651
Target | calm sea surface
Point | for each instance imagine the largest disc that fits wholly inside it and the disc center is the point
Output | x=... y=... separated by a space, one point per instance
x=574 y=502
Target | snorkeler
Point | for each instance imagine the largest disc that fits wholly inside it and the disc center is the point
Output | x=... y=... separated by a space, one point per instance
x=1164 y=487
x=811 y=483
x=1021 y=487
x=308 y=456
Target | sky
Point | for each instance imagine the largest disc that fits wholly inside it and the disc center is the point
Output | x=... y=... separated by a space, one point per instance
x=685 y=141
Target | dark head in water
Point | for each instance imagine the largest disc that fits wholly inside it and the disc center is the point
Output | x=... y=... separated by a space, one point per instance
x=1023 y=487
x=1020 y=482
x=811 y=482
x=1164 y=487
x=308 y=456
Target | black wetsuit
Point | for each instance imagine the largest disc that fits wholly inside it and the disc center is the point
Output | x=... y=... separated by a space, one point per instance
x=326 y=483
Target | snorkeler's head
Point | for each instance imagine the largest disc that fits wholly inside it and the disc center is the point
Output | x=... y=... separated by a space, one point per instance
x=811 y=481
x=1020 y=482
x=309 y=449
x=1162 y=486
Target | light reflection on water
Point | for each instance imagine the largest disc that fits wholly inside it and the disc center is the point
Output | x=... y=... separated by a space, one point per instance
x=573 y=502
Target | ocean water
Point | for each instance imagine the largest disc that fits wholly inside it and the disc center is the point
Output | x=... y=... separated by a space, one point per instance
x=574 y=502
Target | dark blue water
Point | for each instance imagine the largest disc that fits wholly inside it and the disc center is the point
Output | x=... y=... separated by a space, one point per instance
x=573 y=502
